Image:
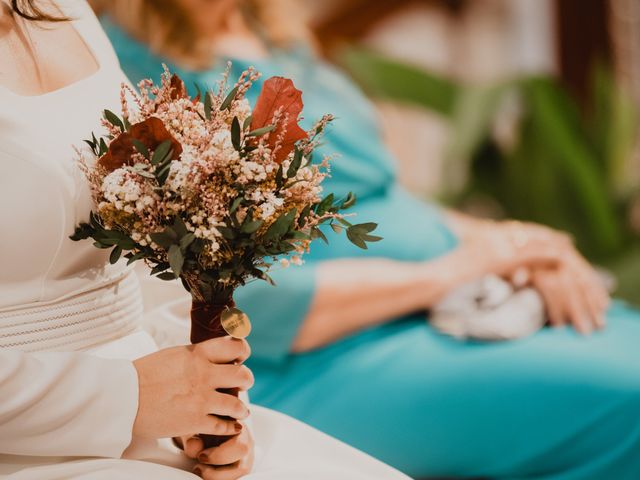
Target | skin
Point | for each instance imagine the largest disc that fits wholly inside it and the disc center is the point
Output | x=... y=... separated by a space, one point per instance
x=36 y=56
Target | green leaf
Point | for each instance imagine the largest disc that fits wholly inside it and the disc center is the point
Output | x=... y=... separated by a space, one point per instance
x=295 y=164
x=176 y=259
x=251 y=227
x=186 y=240
x=247 y=122
x=92 y=145
x=317 y=233
x=165 y=238
x=280 y=177
x=371 y=238
x=161 y=267
x=179 y=227
x=115 y=254
x=345 y=222
x=355 y=237
x=134 y=257
x=235 y=133
x=161 y=152
x=166 y=276
x=296 y=235
x=348 y=202
x=127 y=125
x=82 y=232
x=207 y=105
x=235 y=204
x=141 y=147
x=258 y=132
x=281 y=226
x=365 y=227
x=226 y=103
x=336 y=228
x=303 y=215
x=226 y=232
x=113 y=119
x=324 y=205
x=103 y=147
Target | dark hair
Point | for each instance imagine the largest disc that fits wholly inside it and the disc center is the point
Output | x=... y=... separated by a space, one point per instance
x=28 y=10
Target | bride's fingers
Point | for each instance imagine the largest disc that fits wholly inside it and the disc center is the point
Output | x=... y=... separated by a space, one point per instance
x=214 y=425
x=192 y=446
x=231 y=451
x=224 y=472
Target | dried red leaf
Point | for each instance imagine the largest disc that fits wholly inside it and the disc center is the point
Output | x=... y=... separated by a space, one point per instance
x=178 y=90
x=151 y=132
x=279 y=93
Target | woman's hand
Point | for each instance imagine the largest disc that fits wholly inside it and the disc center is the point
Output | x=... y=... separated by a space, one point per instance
x=177 y=389
x=229 y=461
x=571 y=298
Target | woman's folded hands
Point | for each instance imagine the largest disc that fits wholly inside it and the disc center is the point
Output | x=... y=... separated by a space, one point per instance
x=178 y=397
x=527 y=253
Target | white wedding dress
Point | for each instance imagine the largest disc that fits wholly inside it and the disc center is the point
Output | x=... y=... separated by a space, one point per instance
x=70 y=322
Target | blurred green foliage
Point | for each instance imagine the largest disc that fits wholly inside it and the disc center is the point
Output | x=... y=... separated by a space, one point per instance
x=525 y=144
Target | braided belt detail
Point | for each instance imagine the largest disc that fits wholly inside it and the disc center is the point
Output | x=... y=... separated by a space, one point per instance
x=76 y=323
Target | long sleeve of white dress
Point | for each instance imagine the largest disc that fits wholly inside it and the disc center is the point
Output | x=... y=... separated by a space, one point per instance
x=66 y=404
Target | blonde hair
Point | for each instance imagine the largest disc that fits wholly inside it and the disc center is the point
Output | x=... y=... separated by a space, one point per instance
x=166 y=27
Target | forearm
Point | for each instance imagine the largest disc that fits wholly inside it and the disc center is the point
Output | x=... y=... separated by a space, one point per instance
x=353 y=294
x=463 y=225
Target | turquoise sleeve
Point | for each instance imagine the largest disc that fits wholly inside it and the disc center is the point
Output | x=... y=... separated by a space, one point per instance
x=276 y=312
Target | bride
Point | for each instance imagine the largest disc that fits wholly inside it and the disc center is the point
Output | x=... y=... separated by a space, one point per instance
x=84 y=392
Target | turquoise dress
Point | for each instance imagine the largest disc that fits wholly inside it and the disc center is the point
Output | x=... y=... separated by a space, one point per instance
x=552 y=406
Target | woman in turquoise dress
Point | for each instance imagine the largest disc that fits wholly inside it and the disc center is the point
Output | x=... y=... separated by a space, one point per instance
x=342 y=341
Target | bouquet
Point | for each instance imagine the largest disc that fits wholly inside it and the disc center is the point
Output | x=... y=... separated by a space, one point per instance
x=211 y=192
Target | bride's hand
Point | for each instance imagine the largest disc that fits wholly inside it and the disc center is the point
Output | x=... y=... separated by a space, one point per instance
x=177 y=389
x=229 y=461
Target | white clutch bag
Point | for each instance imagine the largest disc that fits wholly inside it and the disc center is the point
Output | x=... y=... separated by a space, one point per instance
x=489 y=309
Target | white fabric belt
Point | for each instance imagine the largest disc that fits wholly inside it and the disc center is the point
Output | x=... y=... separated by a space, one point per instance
x=78 y=322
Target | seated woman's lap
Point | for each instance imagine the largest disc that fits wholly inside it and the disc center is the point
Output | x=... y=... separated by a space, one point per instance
x=554 y=405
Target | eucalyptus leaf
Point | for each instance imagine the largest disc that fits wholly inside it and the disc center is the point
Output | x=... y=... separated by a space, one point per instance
x=187 y=240
x=235 y=133
x=258 y=132
x=113 y=119
x=281 y=226
x=161 y=152
x=176 y=259
x=251 y=227
x=226 y=103
x=226 y=232
x=207 y=105
x=247 y=122
x=140 y=147
x=295 y=164
x=166 y=276
x=115 y=254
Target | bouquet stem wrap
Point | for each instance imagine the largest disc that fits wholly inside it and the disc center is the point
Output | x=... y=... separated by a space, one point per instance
x=205 y=325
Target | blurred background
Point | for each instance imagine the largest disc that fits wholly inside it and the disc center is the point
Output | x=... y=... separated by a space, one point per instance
x=508 y=108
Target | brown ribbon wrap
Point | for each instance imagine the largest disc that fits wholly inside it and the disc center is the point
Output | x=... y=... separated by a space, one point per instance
x=205 y=325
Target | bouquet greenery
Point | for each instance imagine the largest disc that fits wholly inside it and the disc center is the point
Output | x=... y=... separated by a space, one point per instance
x=209 y=191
